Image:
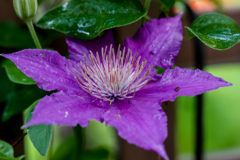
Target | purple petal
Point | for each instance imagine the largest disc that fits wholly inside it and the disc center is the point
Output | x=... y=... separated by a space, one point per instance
x=77 y=47
x=67 y=109
x=158 y=41
x=49 y=69
x=140 y=122
x=180 y=82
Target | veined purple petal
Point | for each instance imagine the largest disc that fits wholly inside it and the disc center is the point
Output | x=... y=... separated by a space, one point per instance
x=140 y=122
x=48 y=68
x=180 y=82
x=67 y=109
x=158 y=41
x=77 y=47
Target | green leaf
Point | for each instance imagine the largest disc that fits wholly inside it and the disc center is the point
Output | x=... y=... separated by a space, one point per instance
x=7 y=152
x=40 y=135
x=20 y=98
x=168 y=3
x=159 y=69
x=85 y=19
x=15 y=36
x=216 y=31
x=15 y=74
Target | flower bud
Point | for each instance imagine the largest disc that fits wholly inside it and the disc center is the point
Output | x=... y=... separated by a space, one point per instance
x=25 y=9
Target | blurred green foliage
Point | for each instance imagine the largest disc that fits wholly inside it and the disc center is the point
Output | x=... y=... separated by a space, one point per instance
x=221 y=114
x=17 y=97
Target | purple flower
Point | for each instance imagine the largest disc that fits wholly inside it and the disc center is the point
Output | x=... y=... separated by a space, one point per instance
x=116 y=85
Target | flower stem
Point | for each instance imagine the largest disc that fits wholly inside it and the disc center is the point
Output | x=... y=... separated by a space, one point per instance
x=147 y=17
x=19 y=140
x=33 y=34
x=146 y=6
x=147 y=3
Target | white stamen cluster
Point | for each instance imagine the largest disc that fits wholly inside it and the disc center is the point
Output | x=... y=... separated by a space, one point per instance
x=113 y=75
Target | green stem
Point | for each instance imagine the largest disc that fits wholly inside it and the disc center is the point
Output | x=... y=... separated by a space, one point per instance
x=146 y=6
x=33 y=34
x=147 y=17
x=147 y=3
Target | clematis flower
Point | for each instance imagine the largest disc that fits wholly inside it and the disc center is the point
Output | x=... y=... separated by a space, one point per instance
x=117 y=86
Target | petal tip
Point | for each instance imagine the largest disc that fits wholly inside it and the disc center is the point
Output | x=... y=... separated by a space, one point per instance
x=26 y=125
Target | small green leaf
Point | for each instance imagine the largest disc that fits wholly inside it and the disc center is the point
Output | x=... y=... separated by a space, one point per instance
x=40 y=135
x=15 y=74
x=159 y=69
x=20 y=98
x=7 y=152
x=216 y=31
x=168 y=3
x=87 y=19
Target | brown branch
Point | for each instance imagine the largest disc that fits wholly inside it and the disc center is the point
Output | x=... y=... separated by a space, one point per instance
x=19 y=140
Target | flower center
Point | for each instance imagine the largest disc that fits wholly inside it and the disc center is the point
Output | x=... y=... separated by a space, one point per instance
x=112 y=76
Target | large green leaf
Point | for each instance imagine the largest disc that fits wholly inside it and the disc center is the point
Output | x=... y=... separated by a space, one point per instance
x=20 y=98
x=40 y=135
x=85 y=19
x=6 y=152
x=15 y=74
x=215 y=30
